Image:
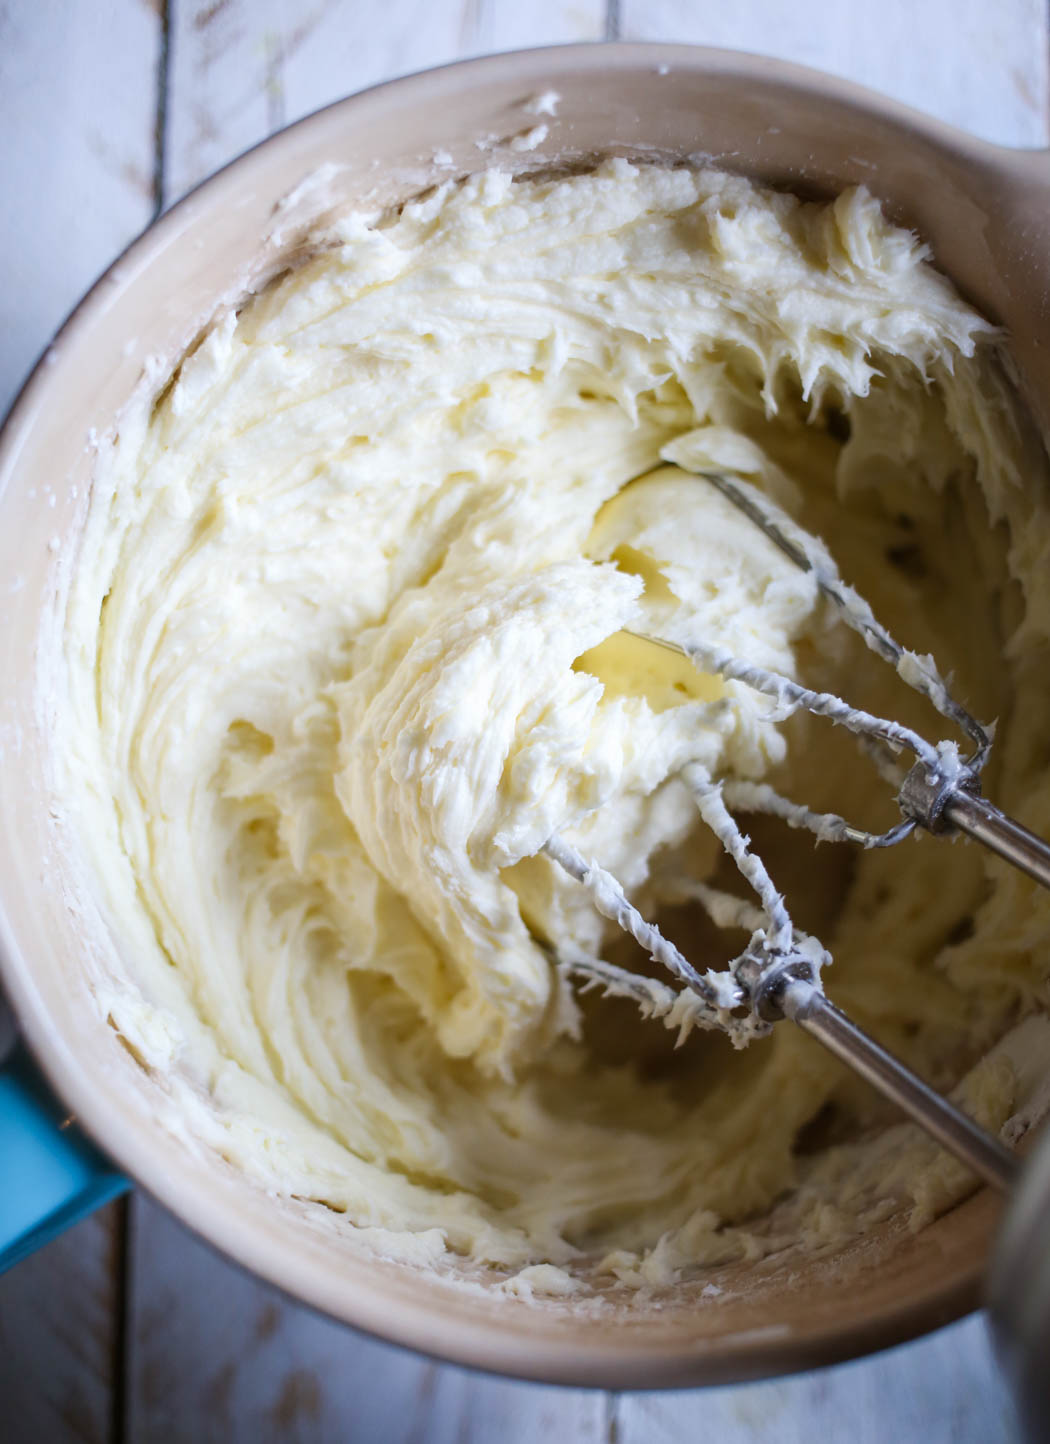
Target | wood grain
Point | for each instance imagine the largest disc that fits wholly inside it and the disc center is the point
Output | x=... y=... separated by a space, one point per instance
x=512 y=25
x=942 y=1388
x=78 y=100
x=979 y=64
x=215 y=1355
x=78 y=107
x=241 y=69
x=60 y=1320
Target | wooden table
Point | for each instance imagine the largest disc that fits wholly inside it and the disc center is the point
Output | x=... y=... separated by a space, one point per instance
x=126 y=1328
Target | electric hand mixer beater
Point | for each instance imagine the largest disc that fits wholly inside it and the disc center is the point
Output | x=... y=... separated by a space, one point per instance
x=777 y=975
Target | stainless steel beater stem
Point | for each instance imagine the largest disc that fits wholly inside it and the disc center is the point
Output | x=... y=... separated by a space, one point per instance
x=983 y=822
x=967 y=1140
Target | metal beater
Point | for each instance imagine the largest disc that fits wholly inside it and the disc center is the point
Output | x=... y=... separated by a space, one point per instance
x=776 y=976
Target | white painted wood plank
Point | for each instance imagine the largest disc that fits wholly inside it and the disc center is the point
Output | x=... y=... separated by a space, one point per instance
x=241 y=69
x=58 y=1337
x=979 y=64
x=217 y=1356
x=945 y=1387
x=521 y=24
x=77 y=113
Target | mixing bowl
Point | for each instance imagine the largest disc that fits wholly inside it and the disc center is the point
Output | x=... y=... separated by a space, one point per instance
x=986 y=213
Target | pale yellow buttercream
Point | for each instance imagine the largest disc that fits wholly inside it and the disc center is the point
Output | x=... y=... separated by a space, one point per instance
x=345 y=647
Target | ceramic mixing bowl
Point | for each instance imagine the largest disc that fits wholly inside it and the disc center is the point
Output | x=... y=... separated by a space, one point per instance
x=985 y=212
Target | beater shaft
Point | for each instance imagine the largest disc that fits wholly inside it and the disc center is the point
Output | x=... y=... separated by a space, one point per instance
x=942 y=1120
x=943 y=805
x=982 y=821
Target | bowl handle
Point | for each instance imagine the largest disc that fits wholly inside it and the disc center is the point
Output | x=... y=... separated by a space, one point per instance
x=52 y=1174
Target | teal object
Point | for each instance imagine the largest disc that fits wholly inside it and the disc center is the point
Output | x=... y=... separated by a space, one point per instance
x=51 y=1174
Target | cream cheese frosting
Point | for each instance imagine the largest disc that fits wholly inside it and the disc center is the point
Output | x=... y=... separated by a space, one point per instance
x=353 y=632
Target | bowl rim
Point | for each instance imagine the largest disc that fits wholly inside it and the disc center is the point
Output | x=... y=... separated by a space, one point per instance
x=143 y=1152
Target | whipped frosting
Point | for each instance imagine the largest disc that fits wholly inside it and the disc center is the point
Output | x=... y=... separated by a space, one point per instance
x=353 y=633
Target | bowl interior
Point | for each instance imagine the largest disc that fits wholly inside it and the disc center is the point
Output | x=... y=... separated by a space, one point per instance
x=983 y=212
